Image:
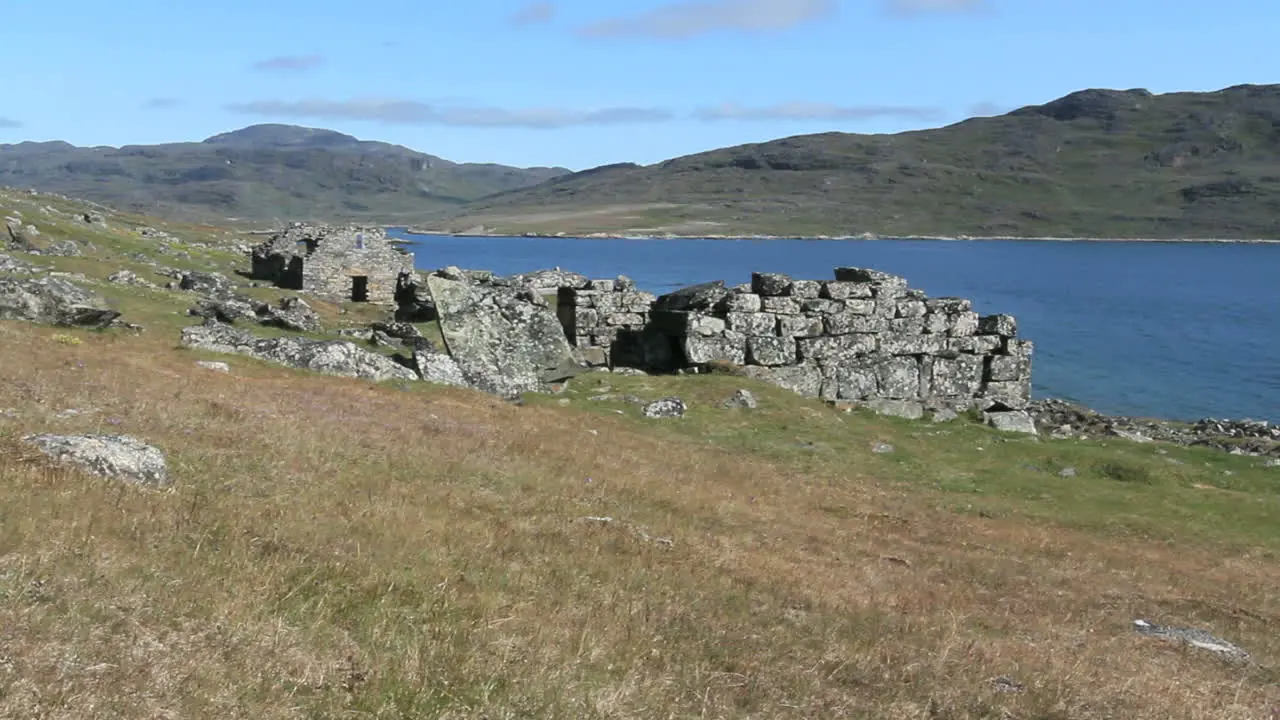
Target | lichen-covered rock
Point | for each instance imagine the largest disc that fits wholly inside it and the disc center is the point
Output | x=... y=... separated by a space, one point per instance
x=1016 y=421
x=437 y=367
x=10 y=264
x=741 y=400
x=672 y=407
x=128 y=277
x=503 y=344
x=206 y=283
x=53 y=300
x=695 y=297
x=1001 y=325
x=770 y=284
x=292 y=313
x=118 y=457
x=329 y=357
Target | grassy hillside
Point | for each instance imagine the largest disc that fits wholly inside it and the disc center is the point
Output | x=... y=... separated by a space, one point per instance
x=1097 y=163
x=335 y=548
x=263 y=172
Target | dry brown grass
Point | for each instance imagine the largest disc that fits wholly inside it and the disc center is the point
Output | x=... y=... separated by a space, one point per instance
x=337 y=549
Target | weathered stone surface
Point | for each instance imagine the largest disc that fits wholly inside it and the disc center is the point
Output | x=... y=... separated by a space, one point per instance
x=910 y=309
x=752 y=323
x=912 y=344
x=214 y=365
x=551 y=280
x=742 y=303
x=340 y=263
x=1012 y=395
x=937 y=323
x=437 y=367
x=226 y=309
x=847 y=322
x=207 y=283
x=858 y=382
x=770 y=350
x=907 y=326
x=401 y=330
x=898 y=378
x=837 y=290
x=52 y=300
x=128 y=277
x=956 y=377
x=780 y=305
x=730 y=347
x=10 y=264
x=862 y=307
x=291 y=314
x=695 y=297
x=672 y=407
x=836 y=348
x=119 y=457
x=806 y=288
x=798 y=326
x=741 y=400
x=804 y=379
x=867 y=275
x=1193 y=637
x=1017 y=421
x=949 y=305
x=1005 y=368
x=329 y=357
x=906 y=409
x=821 y=306
x=770 y=284
x=1002 y=325
x=504 y=345
x=978 y=345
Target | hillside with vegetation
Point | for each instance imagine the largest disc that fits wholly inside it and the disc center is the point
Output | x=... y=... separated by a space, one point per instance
x=334 y=547
x=262 y=173
x=1096 y=163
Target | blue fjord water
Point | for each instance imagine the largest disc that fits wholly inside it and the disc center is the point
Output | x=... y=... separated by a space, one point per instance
x=1172 y=330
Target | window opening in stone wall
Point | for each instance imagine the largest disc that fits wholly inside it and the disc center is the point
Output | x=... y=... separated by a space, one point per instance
x=360 y=241
x=360 y=288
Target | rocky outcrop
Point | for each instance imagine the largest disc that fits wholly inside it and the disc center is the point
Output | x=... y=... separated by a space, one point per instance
x=1062 y=419
x=505 y=343
x=329 y=357
x=110 y=456
x=211 y=284
x=290 y=314
x=53 y=300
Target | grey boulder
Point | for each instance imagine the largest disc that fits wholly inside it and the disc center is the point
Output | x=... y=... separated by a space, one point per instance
x=110 y=456
x=1016 y=421
x=329 y=357
x=52 y=300
x=672 y=407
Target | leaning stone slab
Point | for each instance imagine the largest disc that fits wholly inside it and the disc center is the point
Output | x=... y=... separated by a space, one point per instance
x=1016 y=421
x=52 y=300
x=118 y=457
x=329 y=357
x=437 y=367
x=503 y=344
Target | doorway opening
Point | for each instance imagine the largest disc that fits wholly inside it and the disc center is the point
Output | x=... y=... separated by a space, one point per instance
x=360 y=288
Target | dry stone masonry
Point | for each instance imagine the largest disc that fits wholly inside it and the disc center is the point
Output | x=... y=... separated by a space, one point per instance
x=341 y=263
x=864 y=337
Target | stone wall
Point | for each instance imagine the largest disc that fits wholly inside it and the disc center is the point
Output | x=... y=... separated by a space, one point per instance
x=865 y=337
x=329 y=262
x=604 y=319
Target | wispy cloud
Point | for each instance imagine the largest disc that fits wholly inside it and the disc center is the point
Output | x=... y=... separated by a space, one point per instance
x=289 y=63
x=691 y=18
x=986 y=109
x=812 y=111
x=7 y=123
x=411 y=112
x=535 y=14
x=917 y=7
x=161 y=103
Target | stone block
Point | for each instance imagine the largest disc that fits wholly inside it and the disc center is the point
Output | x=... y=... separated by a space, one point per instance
x=705 y=325
x=806 y=288
x=770 y=284
x=912 y=344
x=867 y=275
x=624 y=319
x=799 y=326
x=979 y=345
x=889 y=292
x=910 y=309
x=838 y=290
x=846 y=322
x=585 y=318
x=1008 y=394
x=860 y=307
x=936 y=323
x=821 y=306
x=858 y=382
x=836 y=349
x=1001 y=325
x=780 y=305
x=1016 y=421
x=906 y=409
x=949 y=305
x=770 y=350
x=964 y=324
x=609 y=302
x=606 y=286
x=752 y=323
x=730 y=347
x=804 y=379
x=898 y=378
x=955 y=377
x=742 y=303
x=906 y=326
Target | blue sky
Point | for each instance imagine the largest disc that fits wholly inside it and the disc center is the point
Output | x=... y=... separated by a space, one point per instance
x=581 y=83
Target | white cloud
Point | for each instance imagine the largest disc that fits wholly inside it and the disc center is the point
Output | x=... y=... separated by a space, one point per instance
x=161 y=103
x=8 y=123
x=698 y=17
x=812 y=111
x=916 y=7
x=411 y=112
x=289 y=63
x=535 y=14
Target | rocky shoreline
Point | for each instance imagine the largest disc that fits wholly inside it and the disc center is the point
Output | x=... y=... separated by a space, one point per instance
x=860 y=236
x=1062 y=420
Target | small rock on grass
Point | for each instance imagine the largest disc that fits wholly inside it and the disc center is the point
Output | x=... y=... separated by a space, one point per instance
x=119 y=457
x=672 y=407
x=742 y=399
x=214 y=365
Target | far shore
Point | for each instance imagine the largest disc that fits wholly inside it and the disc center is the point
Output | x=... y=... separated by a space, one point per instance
x=861 y=236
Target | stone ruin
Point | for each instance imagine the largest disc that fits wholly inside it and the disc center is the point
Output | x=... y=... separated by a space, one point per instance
x=865 y=338
x=356 y=264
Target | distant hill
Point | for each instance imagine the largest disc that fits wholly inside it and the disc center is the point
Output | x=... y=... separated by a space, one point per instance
x=1096 y=163
x=262 y=172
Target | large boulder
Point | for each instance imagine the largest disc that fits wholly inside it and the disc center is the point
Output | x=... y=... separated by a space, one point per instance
x=437 y=367
x=292 y=313
x=111 y=456
x=504 y=344
x=330 y=357
x=206 y=283
x=52 y=300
